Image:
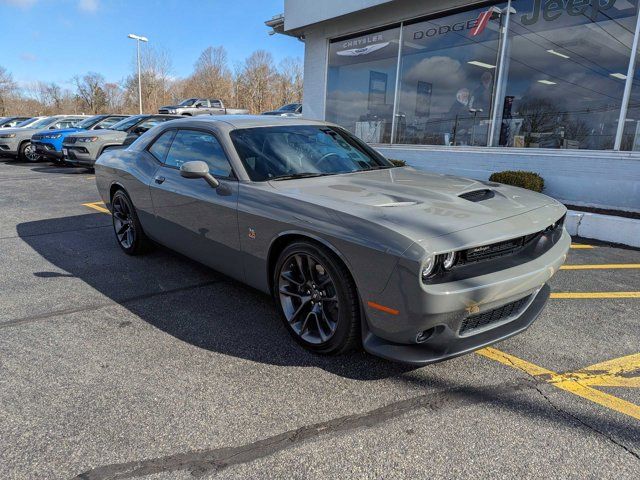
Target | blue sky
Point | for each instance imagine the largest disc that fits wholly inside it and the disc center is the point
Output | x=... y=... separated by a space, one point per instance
x=53 y=40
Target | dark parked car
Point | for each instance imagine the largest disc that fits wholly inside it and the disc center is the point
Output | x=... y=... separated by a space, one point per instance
x=290 y=110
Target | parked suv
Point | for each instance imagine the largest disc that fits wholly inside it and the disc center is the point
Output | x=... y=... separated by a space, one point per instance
x=16 y=141
x=83 y=149
x=49 y=143
x=201 y=106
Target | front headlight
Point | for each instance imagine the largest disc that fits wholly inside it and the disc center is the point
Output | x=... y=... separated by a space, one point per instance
x=428 y=268
x=52 y=135
x=8 y=135
x=435 y=266
x=87 y=139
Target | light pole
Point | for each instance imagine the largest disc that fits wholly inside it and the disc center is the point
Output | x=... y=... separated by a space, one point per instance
x=139 y=39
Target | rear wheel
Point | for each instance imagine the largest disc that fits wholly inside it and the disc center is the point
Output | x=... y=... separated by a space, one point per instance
x=126 y=225
x=28 y=153
x=317 y=299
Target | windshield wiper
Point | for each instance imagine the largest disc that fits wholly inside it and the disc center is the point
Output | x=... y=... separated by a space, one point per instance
x=294 y=176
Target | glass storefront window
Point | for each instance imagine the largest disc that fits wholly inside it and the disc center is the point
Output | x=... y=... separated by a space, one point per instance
x=553 y=76
x=566 y=66
x=447 y=76
x=361 y=84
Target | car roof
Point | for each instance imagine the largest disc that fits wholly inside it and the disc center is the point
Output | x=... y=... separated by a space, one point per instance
x=249 y=121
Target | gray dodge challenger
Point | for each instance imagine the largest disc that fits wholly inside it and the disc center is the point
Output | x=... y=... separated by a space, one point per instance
x=412 y=266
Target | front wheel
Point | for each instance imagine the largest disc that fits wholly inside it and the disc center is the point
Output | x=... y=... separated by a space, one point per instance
x=317 y=299
x=126 y=225
x=28 y=153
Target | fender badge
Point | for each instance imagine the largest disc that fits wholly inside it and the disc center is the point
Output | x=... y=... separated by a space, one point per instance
x=252 y=234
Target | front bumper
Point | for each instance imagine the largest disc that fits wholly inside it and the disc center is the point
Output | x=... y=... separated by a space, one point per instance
x=9 y=146
x=510 y=299
x=46 y=150
x=82 y=155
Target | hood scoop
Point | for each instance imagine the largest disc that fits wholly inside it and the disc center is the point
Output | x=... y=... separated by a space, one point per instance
x=478 y=195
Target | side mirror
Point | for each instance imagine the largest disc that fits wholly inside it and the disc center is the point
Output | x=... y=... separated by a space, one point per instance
x=198 y=169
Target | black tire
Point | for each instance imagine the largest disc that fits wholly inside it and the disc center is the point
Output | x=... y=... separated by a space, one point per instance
x=126 y=225
x=328 y=322
x=25 y=155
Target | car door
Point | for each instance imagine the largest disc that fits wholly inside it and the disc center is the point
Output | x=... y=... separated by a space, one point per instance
x=202 y=107
x=191 y=217
x=216 y=107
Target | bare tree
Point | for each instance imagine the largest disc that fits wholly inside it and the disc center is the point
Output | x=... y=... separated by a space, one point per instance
x=289 y=81
x=7 y=89
x=90 y=90
x=157 y=83
x=211 y=77
x=256 y=80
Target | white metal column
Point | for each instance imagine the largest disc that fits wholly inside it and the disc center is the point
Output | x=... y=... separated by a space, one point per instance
x=628 y=84
x=498 y=96
x=396 y=94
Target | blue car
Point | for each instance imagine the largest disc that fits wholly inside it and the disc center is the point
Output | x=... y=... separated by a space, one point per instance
x=49 y=143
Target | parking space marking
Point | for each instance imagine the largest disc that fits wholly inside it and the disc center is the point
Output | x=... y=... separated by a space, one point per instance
x=616 y=372
x=587 y=295
x=604 y=266
x=99 y=206
x=581 y=246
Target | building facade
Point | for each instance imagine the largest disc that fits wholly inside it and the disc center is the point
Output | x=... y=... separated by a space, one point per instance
x=470 y=88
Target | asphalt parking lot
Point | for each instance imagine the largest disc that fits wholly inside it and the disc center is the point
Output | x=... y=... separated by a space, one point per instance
x=156 y=367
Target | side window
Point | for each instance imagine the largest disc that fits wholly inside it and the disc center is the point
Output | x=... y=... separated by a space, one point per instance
x=161 y=145
x=191 y=145
x=202 y=103
x=216 y=103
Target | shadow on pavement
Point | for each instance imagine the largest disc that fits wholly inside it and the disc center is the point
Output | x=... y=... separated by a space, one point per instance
x=183 y=298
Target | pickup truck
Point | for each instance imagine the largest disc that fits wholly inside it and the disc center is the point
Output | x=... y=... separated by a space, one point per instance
x=201 y=106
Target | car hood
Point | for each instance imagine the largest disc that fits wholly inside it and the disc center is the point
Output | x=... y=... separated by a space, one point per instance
x=67 y=130
x=412 y=202
x=19 y=130
x=102 y=134
x=173 y=106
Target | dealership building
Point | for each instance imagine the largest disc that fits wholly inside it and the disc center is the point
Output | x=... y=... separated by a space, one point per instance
x=471 y=88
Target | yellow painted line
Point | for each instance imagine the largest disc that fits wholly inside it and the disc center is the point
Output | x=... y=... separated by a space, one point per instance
x=580 y=246
x=99 y=206
x=587 y=295
x=621 y=372
x=604 y=266
x=572 y=382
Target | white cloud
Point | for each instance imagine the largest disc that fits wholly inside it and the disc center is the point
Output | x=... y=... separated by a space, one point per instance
x=28 y=57
x=89 y=6
x=20 y=3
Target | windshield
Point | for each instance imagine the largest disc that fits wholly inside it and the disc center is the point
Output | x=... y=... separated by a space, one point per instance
x=127 y=123
x=89 y=122
x=27 y=122
x=292 y=107
x=270 y=153
x=44 y=122
x=188 y=103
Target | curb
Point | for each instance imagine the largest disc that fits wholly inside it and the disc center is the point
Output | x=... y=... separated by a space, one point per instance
x=606 y=228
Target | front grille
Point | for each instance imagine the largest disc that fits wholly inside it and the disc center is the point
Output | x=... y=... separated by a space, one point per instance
x=478 y=195
x=163 y=111
x=489 y=317
x=70 y=140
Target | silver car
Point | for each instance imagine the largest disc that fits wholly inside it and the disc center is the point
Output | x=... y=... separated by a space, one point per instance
x=413 y=266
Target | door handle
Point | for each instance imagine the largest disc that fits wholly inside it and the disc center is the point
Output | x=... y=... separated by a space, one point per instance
x=159 y=179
